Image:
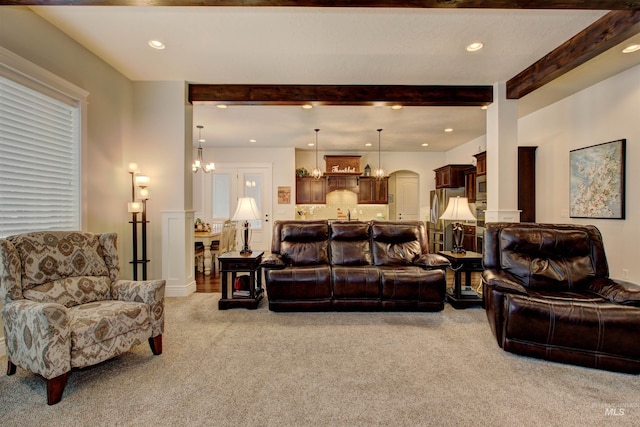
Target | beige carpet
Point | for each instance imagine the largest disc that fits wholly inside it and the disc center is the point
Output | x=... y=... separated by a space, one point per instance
x=258 y=368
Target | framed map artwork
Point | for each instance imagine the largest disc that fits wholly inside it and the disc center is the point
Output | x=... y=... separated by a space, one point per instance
x=597 y=181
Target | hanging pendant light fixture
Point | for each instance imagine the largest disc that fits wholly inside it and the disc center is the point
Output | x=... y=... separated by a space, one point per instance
x=199 y=163
x=379 y=173
x=316 y=172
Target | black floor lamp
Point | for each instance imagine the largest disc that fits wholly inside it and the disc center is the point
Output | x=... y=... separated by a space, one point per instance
x=134 y=208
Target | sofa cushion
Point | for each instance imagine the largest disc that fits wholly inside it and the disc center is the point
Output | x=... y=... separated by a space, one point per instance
x=304 y=232
x=72 y=291
x=412 y=283
x=547 y=259
x=299 y=283
x=350 y=244
x=52 y=255
x=395 y=244
x=360 y=282
x=305 y=244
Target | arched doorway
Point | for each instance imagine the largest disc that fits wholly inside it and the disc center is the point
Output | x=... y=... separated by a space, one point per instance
x=404 y=196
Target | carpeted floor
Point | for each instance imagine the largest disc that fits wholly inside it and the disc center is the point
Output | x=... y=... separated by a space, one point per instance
x=258 y=368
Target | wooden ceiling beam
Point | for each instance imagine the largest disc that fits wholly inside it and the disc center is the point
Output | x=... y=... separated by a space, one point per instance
x=607 y=32
x=466 y=96
x=462 y=4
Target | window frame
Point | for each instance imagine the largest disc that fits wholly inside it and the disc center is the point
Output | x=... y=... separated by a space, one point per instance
x=26 y=73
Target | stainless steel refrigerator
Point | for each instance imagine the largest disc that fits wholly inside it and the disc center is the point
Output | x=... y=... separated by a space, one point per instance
x=440 y=231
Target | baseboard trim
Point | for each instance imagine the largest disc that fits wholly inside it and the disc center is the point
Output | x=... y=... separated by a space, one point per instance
x=172 y=290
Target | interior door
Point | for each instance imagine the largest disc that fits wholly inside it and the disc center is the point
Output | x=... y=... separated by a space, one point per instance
x=256 y=182
x=227 y=184
x=407 y=197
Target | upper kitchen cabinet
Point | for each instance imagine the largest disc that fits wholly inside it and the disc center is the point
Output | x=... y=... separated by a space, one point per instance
x=373 y=191
x=481 y=163
x=451 y=176
x=470 y=185
x=310 y=190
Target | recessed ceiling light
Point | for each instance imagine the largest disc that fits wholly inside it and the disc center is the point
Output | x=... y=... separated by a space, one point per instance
x=222 y=106
x=252 y=140
x=396 y=107
x=156 y=44
x=448 y=130
x=307 y=106
x=631 y=48
x=425 y=144
x=311 y=144
x=473 y=47
x=368 y=144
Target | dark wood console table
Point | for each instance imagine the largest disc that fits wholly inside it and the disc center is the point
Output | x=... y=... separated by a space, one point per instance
x=466 y=263
x=233 y=263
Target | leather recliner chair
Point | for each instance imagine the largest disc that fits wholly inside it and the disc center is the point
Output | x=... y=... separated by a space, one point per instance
x=548 y=295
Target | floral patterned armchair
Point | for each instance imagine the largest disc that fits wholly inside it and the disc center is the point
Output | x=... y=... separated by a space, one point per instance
x=64 y=307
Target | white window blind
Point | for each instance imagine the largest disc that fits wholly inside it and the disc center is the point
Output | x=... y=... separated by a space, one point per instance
x=39 y=161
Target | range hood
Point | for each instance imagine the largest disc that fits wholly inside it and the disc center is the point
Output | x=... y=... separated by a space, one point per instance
x=342 y=173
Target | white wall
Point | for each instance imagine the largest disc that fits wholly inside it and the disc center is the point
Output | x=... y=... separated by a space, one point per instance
x=604 y=112
x=601 y=113
x=162 y=150
x=109 y=121
x=464 y=154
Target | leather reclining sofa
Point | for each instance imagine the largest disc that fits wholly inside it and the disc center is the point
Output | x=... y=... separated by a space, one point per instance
x=353 y=266
x=548 y=295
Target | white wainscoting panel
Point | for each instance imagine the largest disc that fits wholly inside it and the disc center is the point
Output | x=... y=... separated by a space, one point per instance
x=177 y=253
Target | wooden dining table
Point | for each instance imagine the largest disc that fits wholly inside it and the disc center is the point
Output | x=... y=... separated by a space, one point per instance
x=206 y=237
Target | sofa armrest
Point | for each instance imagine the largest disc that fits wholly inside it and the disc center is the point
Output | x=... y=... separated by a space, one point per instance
x=38 y=337
x=432 y=262
x=616 y=291
x=274 y=262
x=150 y=292
x=501 y=281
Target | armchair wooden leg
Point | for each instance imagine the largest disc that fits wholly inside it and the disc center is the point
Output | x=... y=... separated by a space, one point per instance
x=55 y=387
x=11 y=368
x=156 y=344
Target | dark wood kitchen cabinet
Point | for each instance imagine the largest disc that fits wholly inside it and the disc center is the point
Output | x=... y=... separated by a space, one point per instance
x=481 y=163
x=373 y=191
x=310 y=190
x=342 y=182
x=527 y=183
x=451 y=176
x=470 y=185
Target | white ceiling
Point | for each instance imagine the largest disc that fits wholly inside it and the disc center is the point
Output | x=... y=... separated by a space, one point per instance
x=344 y=46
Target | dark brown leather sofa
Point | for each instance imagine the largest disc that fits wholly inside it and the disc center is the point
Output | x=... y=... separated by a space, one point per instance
x=353 y=265
x=548 y=295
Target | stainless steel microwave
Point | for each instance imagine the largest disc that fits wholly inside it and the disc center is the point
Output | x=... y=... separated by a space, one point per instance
x=481 y=187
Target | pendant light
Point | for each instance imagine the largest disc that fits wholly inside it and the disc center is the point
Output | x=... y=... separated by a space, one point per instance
x=199 y=163
x=316 y=172
x=379 y=173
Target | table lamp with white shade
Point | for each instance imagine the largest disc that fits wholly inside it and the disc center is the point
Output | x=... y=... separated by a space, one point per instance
x=458 y=210
x=246 y=211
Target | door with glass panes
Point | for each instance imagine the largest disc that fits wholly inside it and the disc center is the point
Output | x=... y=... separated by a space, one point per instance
x=228 y=183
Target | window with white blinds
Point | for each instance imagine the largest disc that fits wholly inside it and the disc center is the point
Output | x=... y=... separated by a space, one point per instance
x=40 y=140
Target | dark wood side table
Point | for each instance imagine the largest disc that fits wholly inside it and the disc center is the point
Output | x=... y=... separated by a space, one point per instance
x=233 y=263
x=466 y=263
